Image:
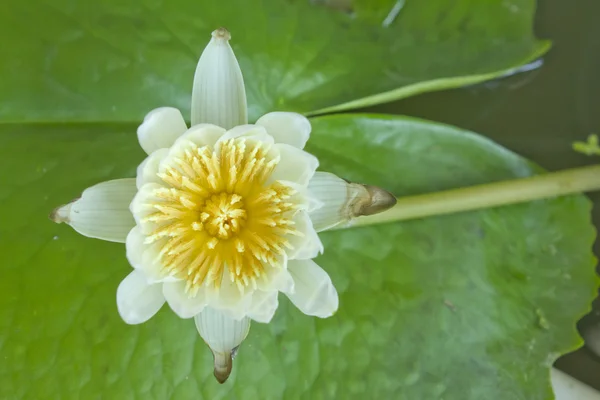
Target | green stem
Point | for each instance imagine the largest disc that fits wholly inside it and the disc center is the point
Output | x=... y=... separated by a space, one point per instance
x=577 y=180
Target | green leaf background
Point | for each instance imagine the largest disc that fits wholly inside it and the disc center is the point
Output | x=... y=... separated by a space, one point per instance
x=468 y=306
x=459 y=307
x=113 y=60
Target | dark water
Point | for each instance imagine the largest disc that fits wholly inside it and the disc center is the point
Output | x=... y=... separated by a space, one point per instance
x=538 y=115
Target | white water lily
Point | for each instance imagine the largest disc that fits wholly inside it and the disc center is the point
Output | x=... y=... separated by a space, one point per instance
x=224 y=215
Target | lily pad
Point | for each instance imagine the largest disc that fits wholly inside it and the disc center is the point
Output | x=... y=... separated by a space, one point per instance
x=461 y=307
x=107 y=60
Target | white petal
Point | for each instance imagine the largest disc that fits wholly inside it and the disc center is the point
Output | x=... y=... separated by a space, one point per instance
x=295 y=165
x=135 y=247
x=138 y=301
x=180 y=302
x=264 y=305
x=147 y=170
x=307 y=245
x=142 y=206
x=197 y=136
x=223 y=335
x=160 y=129
x=287 y=127
x=102 y=212
x=276 y=278
x=203 y=134
x=218 y=95
x=228 y=299
x=248 y=131
x=314 y=293
x=145 y=257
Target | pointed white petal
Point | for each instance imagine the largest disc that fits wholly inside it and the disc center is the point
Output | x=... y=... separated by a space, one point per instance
x=343 y=201
x=264 y=305
x=307 y=245
x=287 y=127
x=180 y=302
x=223 y=335
x=314 y=293
x=333 y=193
x=295 y=165
x=138 y=301
x=160 y=129
x=102 y=212
x=218 y=95
x=147 y=170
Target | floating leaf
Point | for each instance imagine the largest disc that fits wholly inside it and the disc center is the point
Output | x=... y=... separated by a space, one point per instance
x=109 y=60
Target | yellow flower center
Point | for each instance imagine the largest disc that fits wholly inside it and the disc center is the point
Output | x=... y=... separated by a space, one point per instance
x=215 y=214
x=223 y=215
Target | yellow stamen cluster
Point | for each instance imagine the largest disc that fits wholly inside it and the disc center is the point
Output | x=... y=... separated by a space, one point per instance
x=216 y=215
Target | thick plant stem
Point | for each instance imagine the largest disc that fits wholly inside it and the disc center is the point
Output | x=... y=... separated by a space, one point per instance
x=577 y=180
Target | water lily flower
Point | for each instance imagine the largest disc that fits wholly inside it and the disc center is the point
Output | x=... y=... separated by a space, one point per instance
x=223 y=215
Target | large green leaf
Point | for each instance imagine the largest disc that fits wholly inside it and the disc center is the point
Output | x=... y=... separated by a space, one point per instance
x=99 y=60
x=461 y=307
